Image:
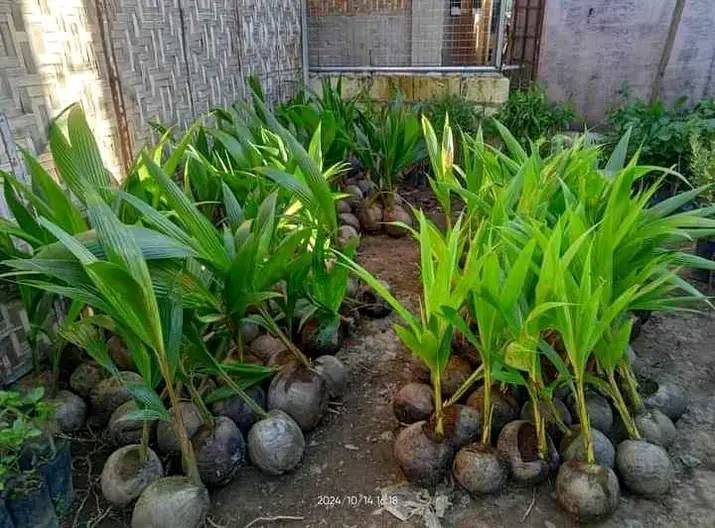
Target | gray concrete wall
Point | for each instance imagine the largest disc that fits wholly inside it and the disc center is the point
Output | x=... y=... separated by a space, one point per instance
x=590 y=48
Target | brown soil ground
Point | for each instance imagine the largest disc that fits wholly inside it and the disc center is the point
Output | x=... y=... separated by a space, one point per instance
x=349 y=457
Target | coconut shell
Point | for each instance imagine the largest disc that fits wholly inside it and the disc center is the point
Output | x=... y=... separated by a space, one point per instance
x=504 y=408
x=518 y=444
x=282 y=358
x=343 y=207
x=367 y=186
x=480 y=469
x=86 y=377
x=237 y=410
x=166 y=437
x=655 y=427
x=249 y=331
x=109 y=394
x=600 y=413
x=572 y=448
x=645 y=468
x=668 y=398
x=220 y=451
x=418 y=371
x=70 y=411
x=334 y=372
x=319 y=338
x=371 y=304
x=461 y=425
x=119 y=353
x=264 y=346
x=413 y=403
x=455 y=374
x=527 y=413
x=301 y=393
x=588 y=492
x=123 y=430
x=172 y=502
x=349 y=219
x=422 y=459
x=124 y=477
x=276 y=444
x=347 y=234
x=355 y=197
x=370 y=216
x=396 y=214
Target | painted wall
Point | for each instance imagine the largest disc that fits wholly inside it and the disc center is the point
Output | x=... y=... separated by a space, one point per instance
x=590 y=48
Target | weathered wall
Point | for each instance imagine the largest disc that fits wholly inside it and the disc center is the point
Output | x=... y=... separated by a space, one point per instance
x=173 y=60
x=488 y=90
x=360 y=32
x=590 y=48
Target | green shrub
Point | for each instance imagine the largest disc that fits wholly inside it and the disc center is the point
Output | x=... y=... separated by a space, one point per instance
x=530 y=116
x=662 y=134
x=702 y=165
x=463 y=113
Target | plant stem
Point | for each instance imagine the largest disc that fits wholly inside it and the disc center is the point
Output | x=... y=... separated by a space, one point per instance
x=622 y=408
x=284 y=339
x=438 y=407
x=631 y=386
x=187 y=451
x=462 y=390
x=144 y=443
x=487 y=406
x=206 y=415
x=539 y=422
x=57 y=354
x=242 y=394
x=235 y=335
x=584 y=421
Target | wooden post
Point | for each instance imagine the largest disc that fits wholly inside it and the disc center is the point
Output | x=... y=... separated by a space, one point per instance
x=667 y=50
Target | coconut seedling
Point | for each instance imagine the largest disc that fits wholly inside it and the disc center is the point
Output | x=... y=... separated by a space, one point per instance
x=443 y=179
x=423 y=449
x=584 y=488
x=23 y=438
x=388 y=141
x=323 y=329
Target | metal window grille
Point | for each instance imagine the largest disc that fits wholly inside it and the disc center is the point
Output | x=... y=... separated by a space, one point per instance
x=405 y=35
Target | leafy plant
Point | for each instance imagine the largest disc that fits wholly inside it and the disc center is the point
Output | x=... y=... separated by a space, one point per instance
x=662 y=135
x=445 y=284
x=532 y=117
x=330 y=111
x=388 y=142
x=23 y=418
x=464 y=114
x=702 y=166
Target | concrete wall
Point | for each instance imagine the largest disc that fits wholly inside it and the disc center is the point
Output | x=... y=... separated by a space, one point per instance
x=589 y=48
x=488 y=90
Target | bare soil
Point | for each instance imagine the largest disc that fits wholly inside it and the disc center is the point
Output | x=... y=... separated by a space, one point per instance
x=349 y=456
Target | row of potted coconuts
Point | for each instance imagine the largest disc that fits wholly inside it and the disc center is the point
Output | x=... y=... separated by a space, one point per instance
x=365 y=210
x=224 y=440
x=643 y=465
